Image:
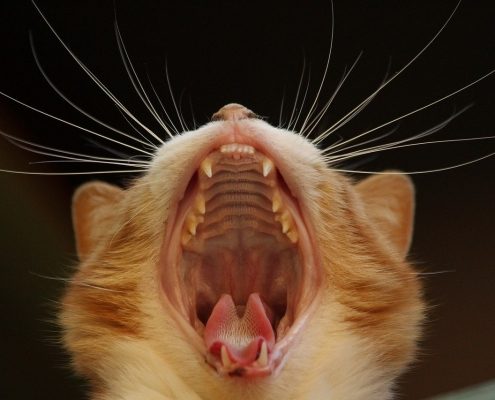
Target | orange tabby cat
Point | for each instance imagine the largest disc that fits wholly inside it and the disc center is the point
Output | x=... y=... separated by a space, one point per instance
x=241 y=266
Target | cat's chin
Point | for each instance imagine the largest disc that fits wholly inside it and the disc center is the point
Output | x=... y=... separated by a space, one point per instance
x=239 y=266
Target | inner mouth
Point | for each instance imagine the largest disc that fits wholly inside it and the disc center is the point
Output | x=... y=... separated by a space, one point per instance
x=241 y=260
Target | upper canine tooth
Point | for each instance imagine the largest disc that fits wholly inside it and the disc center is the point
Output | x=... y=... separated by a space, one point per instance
x=263 y=357
x=206 y=167
x=225 y=357
x=267 y=166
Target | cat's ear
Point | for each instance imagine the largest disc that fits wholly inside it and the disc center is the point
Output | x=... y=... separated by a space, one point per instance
x=94 y=208
x=389 y=203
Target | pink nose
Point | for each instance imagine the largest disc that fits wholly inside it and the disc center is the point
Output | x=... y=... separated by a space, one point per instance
x=233 y=112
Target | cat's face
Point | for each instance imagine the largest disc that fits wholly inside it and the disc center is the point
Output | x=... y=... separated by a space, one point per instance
x=241 y=266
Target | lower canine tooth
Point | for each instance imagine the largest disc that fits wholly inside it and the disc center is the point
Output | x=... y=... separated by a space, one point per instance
x=263 y=357
x=225 y=357
x=293 y=236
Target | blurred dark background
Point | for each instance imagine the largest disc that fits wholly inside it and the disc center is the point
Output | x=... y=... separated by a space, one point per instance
x=252 y=52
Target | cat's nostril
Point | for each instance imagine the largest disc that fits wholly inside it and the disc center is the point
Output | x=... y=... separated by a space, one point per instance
x=233 y=112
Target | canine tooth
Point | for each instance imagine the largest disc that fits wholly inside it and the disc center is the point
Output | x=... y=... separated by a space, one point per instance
x=263 y=357
x=293 y=236
x=192 y=223
x=285 y=220
x=206 y=167
x=225 y=357
x=200 y=204
x=267 y=166
x=276 y=202
x=185 y=238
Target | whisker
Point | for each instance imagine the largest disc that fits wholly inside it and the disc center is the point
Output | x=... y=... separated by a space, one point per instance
x=93 y=77
x=74 y=125
x=313 y=124
x=298 y=93
x=75 y=160
x=67 y=100
x=169 y=119
x=333 y=149
x=420 y=108
x=14 y=140
x=394 y=76
x=416 y=172
x=169 y=85
x=135 y=81
x=124 y=171
x=400 y=146
x=281 y=111
x=303 y=102
x=313 y=106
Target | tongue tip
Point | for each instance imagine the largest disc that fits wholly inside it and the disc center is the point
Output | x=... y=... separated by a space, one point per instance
x=242 y=336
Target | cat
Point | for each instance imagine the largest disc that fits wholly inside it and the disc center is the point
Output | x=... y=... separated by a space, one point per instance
x=143 y=320
x=241 y=267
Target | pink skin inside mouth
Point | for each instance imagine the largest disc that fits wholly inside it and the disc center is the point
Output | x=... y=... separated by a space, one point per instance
x=239 y=262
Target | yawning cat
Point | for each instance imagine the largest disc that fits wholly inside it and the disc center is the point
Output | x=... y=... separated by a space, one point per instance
x=240 y=266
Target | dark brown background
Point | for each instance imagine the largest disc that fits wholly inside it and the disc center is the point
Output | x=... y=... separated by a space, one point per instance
x=250 y=52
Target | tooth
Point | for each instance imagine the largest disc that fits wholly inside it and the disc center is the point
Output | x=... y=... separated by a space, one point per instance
x=285 y=221
x=225 y=357
x=199 y=203
x=276 y=202
x=192 y=223
x=206 y=167
x=293 y=236
x=267 y=166
x=263 y=357
x=186 y=237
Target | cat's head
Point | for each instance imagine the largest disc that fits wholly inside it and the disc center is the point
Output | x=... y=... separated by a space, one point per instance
x=241 y=266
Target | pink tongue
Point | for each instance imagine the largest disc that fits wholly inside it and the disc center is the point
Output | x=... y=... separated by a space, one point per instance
x=243 y=336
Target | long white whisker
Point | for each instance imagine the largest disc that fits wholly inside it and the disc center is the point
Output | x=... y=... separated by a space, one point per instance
x=88 y=72
x=349 y=116
x=74 y=125
x=170 y=121
x=14 y=141
x=394 y=76
x=417 y=172
x=419 y=109
x=281 y=110
x=75 y=160
x=67 y=100
x=400 y=146
x=312 y=108
x=374 y=139
x=298 y=93
x=303 y=102
x=183 y=126
x=72 y=158
x=313 y=124
x=124 y=171
x=136 y=83
x=334 y=149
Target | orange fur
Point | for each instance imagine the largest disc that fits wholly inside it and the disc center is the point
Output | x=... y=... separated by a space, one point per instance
x=359 y=338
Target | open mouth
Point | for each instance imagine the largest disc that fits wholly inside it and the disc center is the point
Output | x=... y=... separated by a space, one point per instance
x=239 y=266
